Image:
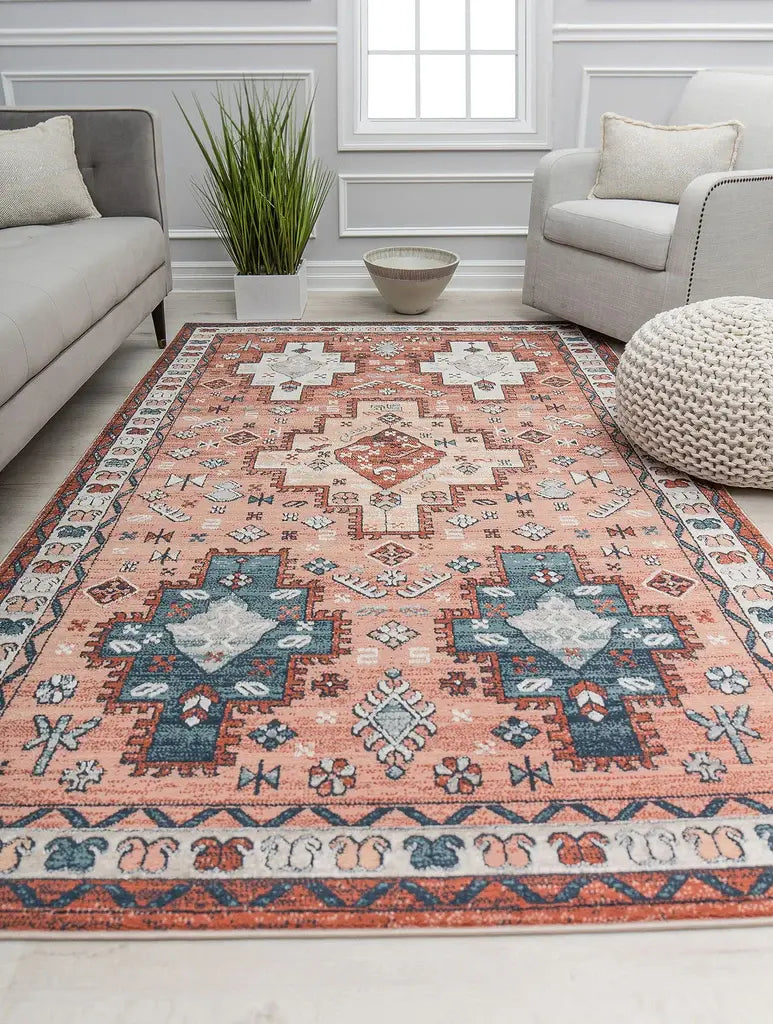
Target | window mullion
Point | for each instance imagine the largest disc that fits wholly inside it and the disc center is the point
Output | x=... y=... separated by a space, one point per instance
x=364 y=61
x=467 y=59
x=417 y=42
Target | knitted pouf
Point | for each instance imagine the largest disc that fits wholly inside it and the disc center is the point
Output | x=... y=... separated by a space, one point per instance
x=695 y=390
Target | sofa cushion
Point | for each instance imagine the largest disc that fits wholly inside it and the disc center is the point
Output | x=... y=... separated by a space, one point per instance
x=58 y=280
x=626 y=229
x=42 y=183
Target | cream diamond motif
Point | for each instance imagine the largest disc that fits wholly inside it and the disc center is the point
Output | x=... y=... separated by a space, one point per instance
x=393 y=634
x=247 y=534
x=216 y=636
x=560 y=627
x=462 y=520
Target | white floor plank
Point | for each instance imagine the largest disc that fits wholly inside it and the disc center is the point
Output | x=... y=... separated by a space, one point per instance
x=710 y=977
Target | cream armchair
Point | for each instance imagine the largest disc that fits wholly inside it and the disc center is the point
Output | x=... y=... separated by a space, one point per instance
x=611 y=264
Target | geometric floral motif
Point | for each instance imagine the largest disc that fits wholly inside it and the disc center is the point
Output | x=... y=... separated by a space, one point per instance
x=302 y=363
x=388 y=457
x=393 y=721
x=670 y=583
x=478 y=367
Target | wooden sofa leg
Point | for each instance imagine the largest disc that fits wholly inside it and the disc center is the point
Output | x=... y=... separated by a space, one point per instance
x=159 y=323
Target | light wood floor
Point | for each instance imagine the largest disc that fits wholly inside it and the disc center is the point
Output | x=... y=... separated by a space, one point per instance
x=685 y=975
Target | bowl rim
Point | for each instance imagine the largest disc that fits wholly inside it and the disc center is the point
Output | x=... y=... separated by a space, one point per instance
x=440 y=269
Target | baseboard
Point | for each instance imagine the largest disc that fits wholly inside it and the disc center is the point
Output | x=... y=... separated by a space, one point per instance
x=350 y=276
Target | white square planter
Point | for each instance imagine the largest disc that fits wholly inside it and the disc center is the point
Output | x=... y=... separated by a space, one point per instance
x=271 y=297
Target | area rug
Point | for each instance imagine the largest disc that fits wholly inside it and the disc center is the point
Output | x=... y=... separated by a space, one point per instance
x=383 y=627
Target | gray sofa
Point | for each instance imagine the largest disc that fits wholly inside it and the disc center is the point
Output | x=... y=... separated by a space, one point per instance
x=71 y=293
x=611 y=264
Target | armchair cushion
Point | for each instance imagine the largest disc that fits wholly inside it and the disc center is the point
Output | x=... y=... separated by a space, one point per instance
x=657 y=162
x=625 y=229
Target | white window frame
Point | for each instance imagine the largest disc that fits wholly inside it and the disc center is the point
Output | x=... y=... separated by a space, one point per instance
x=530 y=129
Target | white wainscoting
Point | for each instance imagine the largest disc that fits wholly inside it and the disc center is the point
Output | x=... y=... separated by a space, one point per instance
x=11 y=79
x=473 y=201
x=592 y=76
x=440 y=207
x=351 y=276
x=664 y=32
x=163 y=35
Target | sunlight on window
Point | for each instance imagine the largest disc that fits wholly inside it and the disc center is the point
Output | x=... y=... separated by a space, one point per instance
x=492 y=86
x=442 y=59
x=391 y=24
x=392 y=81
x=442 y=25
x=492 y=25
x=443 y=89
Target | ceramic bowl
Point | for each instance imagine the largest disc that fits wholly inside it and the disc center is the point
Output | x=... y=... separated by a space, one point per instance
x=410 y=278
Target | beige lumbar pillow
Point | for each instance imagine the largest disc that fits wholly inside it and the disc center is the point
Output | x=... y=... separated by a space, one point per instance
x=40 y=181
x=657 y=162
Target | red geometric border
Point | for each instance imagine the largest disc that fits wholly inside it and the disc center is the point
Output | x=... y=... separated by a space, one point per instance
x=287 y=904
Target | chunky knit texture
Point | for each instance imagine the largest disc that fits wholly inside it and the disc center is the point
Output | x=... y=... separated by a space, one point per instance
x=695 y=390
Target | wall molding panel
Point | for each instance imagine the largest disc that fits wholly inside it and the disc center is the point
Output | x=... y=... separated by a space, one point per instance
x=313 y=35
x=413 y=181
x=467 y=192
x=9 y=79
x=590 y=74
x=664 y=32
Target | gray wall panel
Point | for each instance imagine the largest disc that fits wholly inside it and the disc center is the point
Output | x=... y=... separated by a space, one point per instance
x=607 y=54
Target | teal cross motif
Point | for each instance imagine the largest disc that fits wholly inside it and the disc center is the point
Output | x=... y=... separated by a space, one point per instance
x=233 y=638
x=550 y=634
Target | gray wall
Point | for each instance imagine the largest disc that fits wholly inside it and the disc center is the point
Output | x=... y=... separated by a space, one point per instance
x=631 y=56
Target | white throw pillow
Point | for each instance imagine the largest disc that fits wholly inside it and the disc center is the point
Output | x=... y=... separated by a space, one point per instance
x=657 y=162
x=40 y=181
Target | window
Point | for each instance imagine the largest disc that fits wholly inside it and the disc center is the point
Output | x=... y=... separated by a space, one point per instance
x=443 y=74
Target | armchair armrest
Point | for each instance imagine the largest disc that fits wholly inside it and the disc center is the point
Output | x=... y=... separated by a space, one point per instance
x=119 y=154
x=560 y=176
x=721 y=242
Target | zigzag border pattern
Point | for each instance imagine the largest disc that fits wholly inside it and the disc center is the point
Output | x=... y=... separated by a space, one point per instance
x=315 y=903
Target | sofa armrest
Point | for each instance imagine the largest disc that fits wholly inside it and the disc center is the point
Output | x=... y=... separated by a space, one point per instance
x=118 y=152
x=721 y=240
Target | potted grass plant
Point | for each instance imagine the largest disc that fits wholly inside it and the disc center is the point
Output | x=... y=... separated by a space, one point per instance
x=262 y=192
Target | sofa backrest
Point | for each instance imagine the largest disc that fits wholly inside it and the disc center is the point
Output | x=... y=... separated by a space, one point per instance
x=712 y=96
x=118 y=152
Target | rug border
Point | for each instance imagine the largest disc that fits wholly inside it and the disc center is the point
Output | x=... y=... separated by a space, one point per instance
x=31 y=537
x=111 y=429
